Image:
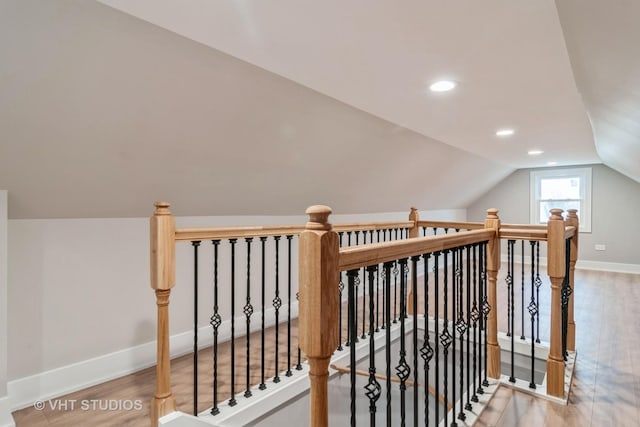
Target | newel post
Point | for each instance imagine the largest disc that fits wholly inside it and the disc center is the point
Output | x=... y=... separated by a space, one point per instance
x=556 y=271
x=492 y=221
x=572 y=220
x=414 y=231
x=318 y=306
x=163 y=278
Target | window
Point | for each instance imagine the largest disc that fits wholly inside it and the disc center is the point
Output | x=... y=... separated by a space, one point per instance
x=564 y=189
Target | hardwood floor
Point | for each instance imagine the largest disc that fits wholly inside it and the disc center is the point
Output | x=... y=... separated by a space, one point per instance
x=605 y=392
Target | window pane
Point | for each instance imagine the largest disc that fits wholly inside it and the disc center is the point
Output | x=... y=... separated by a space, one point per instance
x=546 y=206
x=560 y=188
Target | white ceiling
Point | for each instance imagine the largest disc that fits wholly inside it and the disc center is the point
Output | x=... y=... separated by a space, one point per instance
x=509 y=58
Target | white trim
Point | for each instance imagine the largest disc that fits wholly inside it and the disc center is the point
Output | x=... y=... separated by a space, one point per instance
x=614 y=267
x=585 y=175
x=23 y=392
x=6 y=420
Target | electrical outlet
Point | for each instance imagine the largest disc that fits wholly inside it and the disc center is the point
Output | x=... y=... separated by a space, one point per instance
x=601 y=248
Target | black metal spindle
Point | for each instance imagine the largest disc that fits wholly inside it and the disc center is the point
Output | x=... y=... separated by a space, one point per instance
x=445 y=336
x=566 y=294
x=364 y=296
x=215 y=322
x=289 y=279
x=403 y=370
x=414 y=334
x=340 y=290
x=248 y=311
x=522 y=291
x=351 y=322
x=468 y=406
x=475 y=317
x=263 y=281
x=387 y=348
x=509 y=281
x=511 y=244
x=277 y=303
x=486 y=309
x=461 y=327
x=195 y=245
x=436 y=332
x=232 y=400
x=455 y=270
x=533 y=310
x=373 y=388
x=395 y=291
x=426 y=352
x=538 y=284
x=355 y=337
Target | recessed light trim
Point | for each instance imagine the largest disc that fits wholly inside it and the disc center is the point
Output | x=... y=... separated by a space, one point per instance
x=535 y=152
x=443 y=86
x=504 y=132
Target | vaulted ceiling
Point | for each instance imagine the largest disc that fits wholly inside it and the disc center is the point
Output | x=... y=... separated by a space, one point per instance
x=248 y=107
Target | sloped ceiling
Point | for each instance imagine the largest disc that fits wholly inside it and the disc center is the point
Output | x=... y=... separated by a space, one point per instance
x=101 y=114
x=603 y=42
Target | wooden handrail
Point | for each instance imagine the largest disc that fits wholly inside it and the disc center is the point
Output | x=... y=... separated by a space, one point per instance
x=218 y=233
x=462 y=225
x=376 y=253
x=366 y=226
x=523 y=234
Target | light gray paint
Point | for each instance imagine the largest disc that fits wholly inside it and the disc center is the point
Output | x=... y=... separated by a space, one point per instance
x=614 y=212
x=3 y=295
x=102 y=113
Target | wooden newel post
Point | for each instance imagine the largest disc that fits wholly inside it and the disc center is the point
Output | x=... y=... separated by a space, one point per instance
x=163 y=278
x=492 y=221
x=319 y=306
x=556 y=271
x=414 y=231
x=572 y=220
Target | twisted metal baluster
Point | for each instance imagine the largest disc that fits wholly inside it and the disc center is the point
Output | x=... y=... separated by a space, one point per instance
x=461 y=327
x=248 y=311
x=277 y=303
x=533 y=310
x=538 y=284
x=373 y=388
x=215 y=323
x=486 y=309
x=387 y=348
x=445 y=336
x=402 y=370
x=510 y=285
x=340 y=290
x=426 y=352
x=352 y=316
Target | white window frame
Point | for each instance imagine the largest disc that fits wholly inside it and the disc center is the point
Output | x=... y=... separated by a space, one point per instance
x=583 y=174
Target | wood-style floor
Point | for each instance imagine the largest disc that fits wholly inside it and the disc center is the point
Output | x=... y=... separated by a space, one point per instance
x=605 y=392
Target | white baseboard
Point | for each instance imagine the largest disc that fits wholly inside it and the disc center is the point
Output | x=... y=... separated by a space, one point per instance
x=23 y=392
x=614 y=267
x=6 y=420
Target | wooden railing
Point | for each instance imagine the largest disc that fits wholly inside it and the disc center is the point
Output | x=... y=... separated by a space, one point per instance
x=320 y=263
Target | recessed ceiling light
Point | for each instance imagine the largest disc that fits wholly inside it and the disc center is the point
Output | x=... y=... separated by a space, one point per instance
x=552 y=163
x=535 y=152
x=443 y=86
x=505 y=132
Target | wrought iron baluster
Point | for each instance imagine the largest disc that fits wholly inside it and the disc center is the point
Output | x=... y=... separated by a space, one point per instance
x=289 y=372
x=510 y=285
x=387 y=348
x=426 y=352
x=461 y=327
x=538 y=284
x=351 y=322
x=395 y=291
x=475 y=317
x=215 y=323
x=468 y=406
x=566 y=294
x=232 y=400
x=364 y=296
x=248 y=311
x=414 y=335
x=436 y=332
x=486 y=308
x=263 y=282
x=522 y=291
x=455 y=272
x=533 y=310
x=445 y=336
x=340 y=290
x=509 y=281
x=277 y=303
x=403 y=370
x=196 y=245
x=373 y=388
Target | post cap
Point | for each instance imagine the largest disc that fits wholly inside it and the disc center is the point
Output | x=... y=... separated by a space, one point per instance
x=492 y=213
x=162 y=208
x=556 y=214
x=572 y=213
x=318 y=217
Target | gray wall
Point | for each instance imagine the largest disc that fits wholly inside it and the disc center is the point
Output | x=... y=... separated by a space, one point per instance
x=614 y=212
